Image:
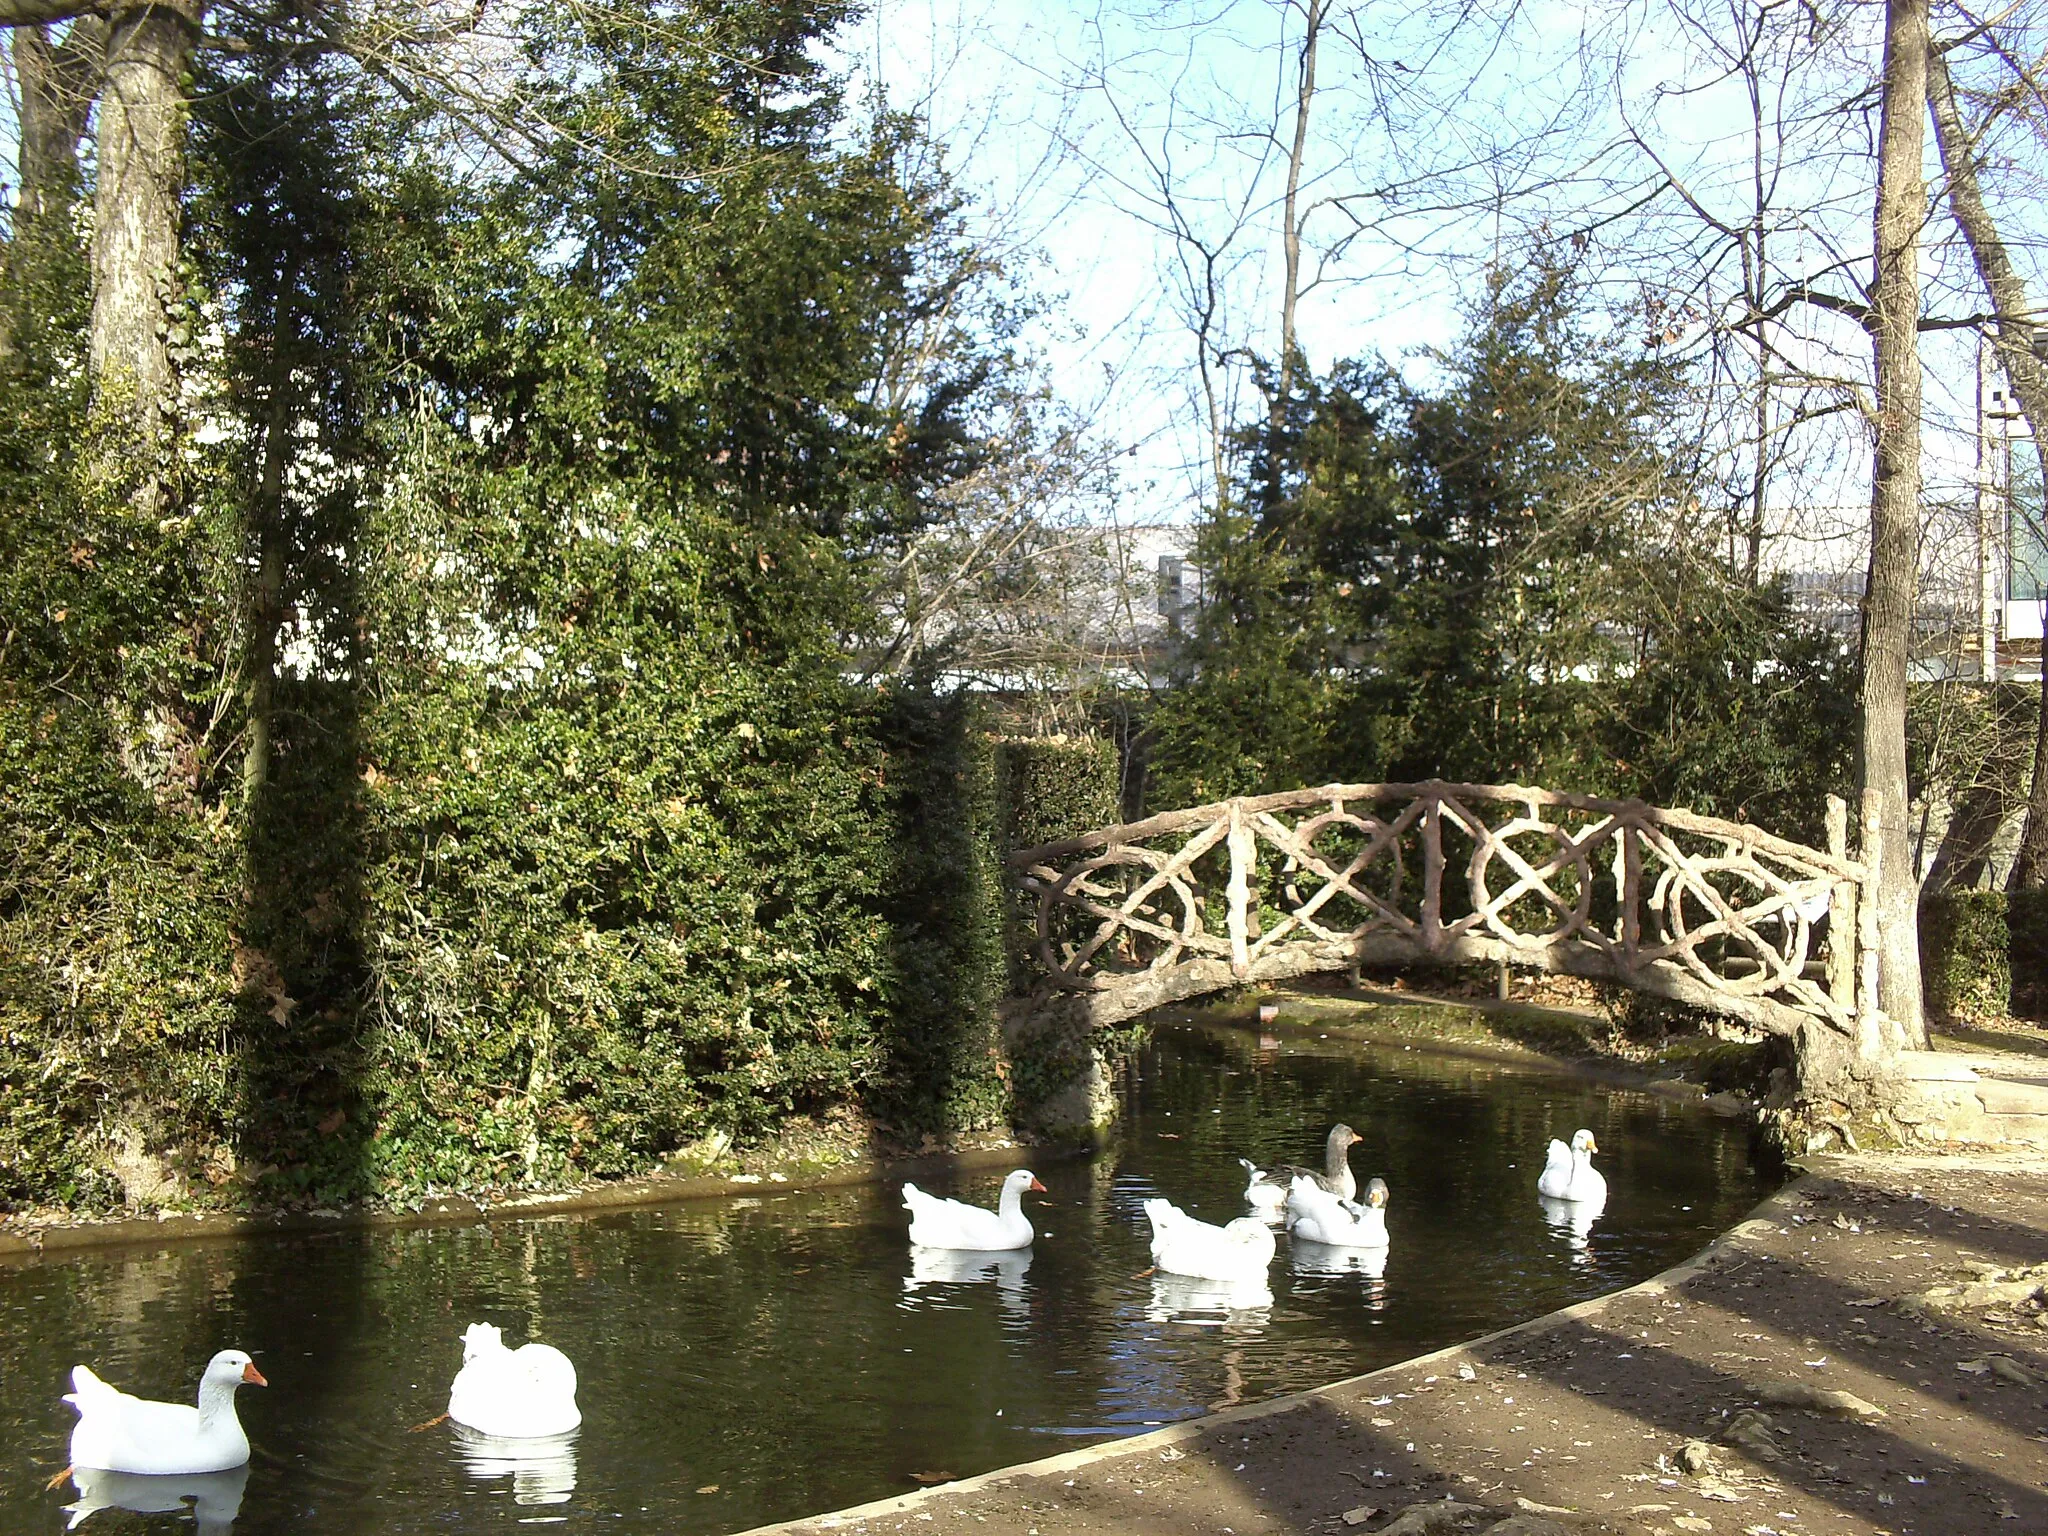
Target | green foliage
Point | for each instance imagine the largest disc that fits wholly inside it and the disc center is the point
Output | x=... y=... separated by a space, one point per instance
x=944 y=1068
x=555 y=489
x=1496 y=578
x=2026 y=918
x=1964 y=948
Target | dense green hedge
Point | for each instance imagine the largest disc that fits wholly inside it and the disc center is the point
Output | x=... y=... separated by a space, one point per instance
x=1964 y=945
x=2027 y=918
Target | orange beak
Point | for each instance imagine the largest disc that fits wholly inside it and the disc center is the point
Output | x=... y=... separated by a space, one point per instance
x=1038 y=1186
x=253 y=1376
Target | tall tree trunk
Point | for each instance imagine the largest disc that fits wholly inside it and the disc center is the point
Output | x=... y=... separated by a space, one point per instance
x=57 y=83
x=135 y=237
x=2017 y=333
x=1895 y=506
x=1290 y=231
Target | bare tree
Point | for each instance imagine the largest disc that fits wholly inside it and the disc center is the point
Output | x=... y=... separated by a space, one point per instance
x=1895 y=506
x=2016 y=335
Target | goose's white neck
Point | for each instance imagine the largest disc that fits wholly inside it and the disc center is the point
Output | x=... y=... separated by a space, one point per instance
x=1012 y=1203
x=217 y=1402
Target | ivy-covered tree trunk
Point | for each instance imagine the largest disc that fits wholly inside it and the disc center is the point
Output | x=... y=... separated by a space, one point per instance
x=1895 y=507
x=136 y=212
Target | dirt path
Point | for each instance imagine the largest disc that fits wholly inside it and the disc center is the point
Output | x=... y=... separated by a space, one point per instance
x=1670 y=1407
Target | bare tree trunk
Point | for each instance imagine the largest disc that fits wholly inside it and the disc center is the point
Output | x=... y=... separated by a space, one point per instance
x=2017 y=332
x=1290 y=228
x=1895 y=507
x=57 y=83
x=135 y=236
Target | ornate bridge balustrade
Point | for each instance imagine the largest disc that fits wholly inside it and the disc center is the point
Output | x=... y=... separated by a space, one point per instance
x=1263 y=888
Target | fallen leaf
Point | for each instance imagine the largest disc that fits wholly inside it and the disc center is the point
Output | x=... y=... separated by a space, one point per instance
x=709 y=1488
x=1360 y=1515
x=929 y=1478
x=1542 y=1509
x=332 y=1123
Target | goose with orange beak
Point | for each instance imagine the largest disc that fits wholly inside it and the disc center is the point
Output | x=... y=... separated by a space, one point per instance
x=1569 y=1174
x=940 y=1223
x=119 y=1433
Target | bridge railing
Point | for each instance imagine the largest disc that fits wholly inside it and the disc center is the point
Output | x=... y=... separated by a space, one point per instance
x=1716 y=913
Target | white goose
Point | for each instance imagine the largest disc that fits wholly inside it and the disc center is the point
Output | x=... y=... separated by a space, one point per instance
x=1568 y=1172
x=1317 y=1216
x=119 y=1433
x=940 y=1223
x=512 y=1394
x=1263 y=1192
x=1182 y=1245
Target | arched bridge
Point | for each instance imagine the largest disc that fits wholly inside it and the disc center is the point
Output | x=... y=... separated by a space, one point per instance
x=1264 y=888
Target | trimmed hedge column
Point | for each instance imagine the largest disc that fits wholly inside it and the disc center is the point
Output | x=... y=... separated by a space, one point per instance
x=1964 y=948
x=1048 y=788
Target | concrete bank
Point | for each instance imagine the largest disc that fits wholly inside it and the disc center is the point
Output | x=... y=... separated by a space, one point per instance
x=1858 y=1356
x=26 y=1240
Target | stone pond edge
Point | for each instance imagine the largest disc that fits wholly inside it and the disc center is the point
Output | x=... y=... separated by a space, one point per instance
x=1001 y=1478
x=31 y=1241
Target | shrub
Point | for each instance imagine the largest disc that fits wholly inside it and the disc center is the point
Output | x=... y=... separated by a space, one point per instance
x=1964 y=948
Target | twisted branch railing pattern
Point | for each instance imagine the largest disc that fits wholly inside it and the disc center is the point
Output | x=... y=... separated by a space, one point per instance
x=1710 y=912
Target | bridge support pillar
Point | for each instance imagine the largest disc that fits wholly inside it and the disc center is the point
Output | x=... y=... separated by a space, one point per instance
x=1062 y=1086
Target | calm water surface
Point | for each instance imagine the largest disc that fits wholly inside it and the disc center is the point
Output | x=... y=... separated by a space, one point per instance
x=756 y=1359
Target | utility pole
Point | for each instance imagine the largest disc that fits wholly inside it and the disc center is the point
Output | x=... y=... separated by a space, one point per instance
x=1990 y=592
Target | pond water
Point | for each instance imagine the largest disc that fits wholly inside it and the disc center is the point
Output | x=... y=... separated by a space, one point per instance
x=762 y=1358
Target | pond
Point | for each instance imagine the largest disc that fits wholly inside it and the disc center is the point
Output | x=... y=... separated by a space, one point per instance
x=757 y=1359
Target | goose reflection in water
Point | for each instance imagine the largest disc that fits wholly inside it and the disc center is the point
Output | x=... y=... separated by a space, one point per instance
x=1573 y=1221
x=215 y=1497
x=1232 y=1305
x=1321 y=1261
x=965 y=1266
x=542 y=1469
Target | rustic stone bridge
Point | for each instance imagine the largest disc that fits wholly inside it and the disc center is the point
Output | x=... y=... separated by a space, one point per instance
x=1264 y=888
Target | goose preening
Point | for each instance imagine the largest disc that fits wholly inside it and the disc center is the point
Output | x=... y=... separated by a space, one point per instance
x=939 y=1223
x=215 y=1498
x=1568 y=1172
x=1314 y=1215
x=542 y=1467
x=1183 y=1245
x=119 y=1433
x=512 y=1394
x=1336 y=1175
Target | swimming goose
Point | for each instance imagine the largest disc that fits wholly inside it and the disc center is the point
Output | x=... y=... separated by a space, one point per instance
x=1184 y=1245
x=1317 y=1216
x=1262 y=1192
x=938 y=1223
x=1568 y=1172
x=1336 y=1176
x=512 y=1394
x=119 y=1433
